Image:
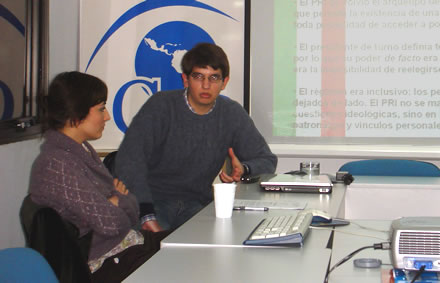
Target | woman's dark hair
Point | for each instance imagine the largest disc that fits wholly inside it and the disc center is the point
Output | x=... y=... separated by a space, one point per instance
x=203 y=55
x=70 y=97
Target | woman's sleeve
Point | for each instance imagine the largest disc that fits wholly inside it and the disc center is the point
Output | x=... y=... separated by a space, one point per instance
x=129 y=204
x=67 y=187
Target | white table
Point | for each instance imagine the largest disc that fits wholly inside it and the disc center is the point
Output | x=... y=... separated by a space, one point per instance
x=207 y=249
x=347 y=239
x=204 y=229
x=389 y=198
x=221 y=265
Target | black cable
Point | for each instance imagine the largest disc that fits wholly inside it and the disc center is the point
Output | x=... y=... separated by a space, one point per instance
x=419 y=272
x=297 y=172
x=330 y=246
x=380 y=246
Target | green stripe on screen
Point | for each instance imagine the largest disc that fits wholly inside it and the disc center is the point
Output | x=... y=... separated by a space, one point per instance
x=284 y=92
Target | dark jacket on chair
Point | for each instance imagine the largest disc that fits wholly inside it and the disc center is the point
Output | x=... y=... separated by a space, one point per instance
x=57 y=240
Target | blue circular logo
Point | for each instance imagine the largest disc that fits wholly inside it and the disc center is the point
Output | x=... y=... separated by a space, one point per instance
x=161 y=51
x=157 y=61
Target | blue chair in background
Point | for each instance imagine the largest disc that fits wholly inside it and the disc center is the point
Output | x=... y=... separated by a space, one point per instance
x=25 y=265
x=391 y=167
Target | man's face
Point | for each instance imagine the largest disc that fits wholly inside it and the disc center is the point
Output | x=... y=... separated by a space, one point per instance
x=204 y=86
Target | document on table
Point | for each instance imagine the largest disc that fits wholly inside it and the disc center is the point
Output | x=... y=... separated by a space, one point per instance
x=279 y=204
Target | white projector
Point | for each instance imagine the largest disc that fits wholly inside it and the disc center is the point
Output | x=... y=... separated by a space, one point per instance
x=416 y=243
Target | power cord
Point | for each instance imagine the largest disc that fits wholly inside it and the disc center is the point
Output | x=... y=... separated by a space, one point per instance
x=378 y=246
x=419 y=272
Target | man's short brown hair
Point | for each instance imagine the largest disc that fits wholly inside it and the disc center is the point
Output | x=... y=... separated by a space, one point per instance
x=203 y=55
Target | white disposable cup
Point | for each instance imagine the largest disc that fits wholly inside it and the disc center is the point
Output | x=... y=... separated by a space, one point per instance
x=224 y=194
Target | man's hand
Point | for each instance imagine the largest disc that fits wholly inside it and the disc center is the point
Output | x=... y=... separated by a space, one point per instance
x=152 y=226
x=237 y=169
x=120 y=187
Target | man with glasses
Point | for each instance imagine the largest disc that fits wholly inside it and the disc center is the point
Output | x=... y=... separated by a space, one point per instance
x=178 y=141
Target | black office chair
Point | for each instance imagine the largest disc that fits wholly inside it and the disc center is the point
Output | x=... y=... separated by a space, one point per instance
x=391 y=167
x=57 y=240
x=109 y=162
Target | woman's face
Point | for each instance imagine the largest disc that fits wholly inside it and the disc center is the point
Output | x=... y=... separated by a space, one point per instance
x=92 y=126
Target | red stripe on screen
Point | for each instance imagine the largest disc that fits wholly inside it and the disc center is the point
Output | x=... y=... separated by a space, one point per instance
x=333 y=69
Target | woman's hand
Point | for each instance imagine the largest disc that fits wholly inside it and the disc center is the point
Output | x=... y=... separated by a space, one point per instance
x=114 y=200
x=120 y=187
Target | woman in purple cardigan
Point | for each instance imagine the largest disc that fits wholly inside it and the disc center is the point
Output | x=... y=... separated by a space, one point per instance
x=69 y=176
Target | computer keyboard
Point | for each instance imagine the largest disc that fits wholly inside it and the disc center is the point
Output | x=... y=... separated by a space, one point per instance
x=281 y=230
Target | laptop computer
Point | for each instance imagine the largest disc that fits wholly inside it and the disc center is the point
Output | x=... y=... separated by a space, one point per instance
x=297 y=183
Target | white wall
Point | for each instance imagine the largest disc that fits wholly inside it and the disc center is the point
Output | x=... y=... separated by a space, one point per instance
x=63 y=36
x=15 y=167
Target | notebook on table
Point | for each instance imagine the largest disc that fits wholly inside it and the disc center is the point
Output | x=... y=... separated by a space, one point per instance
x=320 y=184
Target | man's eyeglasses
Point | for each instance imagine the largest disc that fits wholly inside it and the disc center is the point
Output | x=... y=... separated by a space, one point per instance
x=216 y=78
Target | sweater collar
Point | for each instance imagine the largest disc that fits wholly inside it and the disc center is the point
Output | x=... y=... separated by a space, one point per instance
x=185 y=95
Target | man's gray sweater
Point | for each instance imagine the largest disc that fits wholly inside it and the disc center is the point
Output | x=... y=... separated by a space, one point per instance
x=169 y=152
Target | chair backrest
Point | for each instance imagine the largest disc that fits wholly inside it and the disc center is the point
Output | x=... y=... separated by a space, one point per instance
x=391 y=167
x=109 y=162
x=24 y=265
x=57 y=240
